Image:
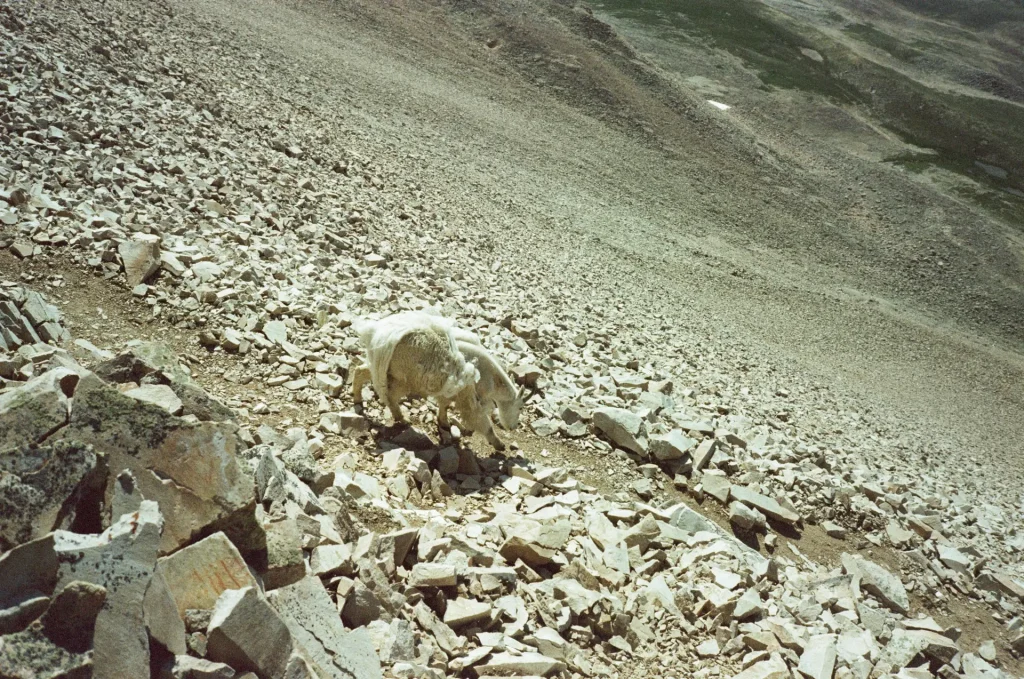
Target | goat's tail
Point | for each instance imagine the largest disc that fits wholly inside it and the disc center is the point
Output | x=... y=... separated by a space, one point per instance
x=465 y=373
x=378 y=353
x=467 y=376
x=364 y=328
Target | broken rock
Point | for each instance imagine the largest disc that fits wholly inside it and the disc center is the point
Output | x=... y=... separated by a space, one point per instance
x=247 y=633
x=764 y=504
x=122 y=560
x=189 y=469
x=879 y=582
x=318 y=635
x=623 y=427
x=141 y=259
x=192 y=579
x=39 y=486
x=462 y=611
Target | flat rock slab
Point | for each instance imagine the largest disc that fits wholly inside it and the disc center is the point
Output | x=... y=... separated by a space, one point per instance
x=192 y=578
x=39 y=485
x=320 y=638
x=159 y=395
x=36 y=408
x=881 y=583
x=764 y=504
x=432 y=575
x=121 y=559
x=189 y=469
x=746 y=518
x=523 y=664
x=461 y=612
x=623 y=428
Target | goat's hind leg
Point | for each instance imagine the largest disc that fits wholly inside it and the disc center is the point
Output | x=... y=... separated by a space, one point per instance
x=395 y=396
x=444 y=425
x=360 y=376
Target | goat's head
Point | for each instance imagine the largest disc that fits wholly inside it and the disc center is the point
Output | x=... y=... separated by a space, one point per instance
x=508 y=411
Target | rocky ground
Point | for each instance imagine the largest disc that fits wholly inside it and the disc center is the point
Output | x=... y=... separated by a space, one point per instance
x=184 y=478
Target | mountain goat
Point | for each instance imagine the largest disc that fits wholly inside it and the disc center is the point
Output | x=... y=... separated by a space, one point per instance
x=421 y=354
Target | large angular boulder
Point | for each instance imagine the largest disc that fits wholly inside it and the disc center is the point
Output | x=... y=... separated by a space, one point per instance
x=27 y=571
x=247 y=633
x=319 y=637
x=881 y=583
x=121 y=560
x=141 y=259
x=192 y=578
x=154 y=363
x=623 y=428
x=59 y=643
x=37 y=408
x=39 y=486
x=189 y=469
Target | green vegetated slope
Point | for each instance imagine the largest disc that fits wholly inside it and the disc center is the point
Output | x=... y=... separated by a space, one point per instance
x=962 y=128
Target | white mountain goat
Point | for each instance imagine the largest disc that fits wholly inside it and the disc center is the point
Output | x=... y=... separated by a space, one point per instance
x=422 y=354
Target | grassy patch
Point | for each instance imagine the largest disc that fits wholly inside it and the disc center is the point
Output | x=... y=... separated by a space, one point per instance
x=869 y=34
x=991 y=193
x=740 y=28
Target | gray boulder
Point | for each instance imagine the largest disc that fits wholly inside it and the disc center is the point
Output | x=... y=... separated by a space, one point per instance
x=320 y=638
x=37 y=408
x=881 y=583
x=248 y=634
x=40 y=486
x=192 y=578
x=623 y=428
x=121 y=559
x=141 y=259
x=189 y=469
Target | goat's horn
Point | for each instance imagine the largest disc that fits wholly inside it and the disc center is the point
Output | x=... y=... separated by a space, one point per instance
x=522 y=391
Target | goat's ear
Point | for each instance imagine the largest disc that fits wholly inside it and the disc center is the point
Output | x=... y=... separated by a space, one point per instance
x=522 y=393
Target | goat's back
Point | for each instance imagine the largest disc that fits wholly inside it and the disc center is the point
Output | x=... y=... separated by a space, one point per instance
x=418 y=349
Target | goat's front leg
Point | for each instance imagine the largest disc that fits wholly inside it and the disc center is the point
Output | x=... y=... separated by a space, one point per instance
x=360 y=376
x=492 y=438
x=485 y=423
